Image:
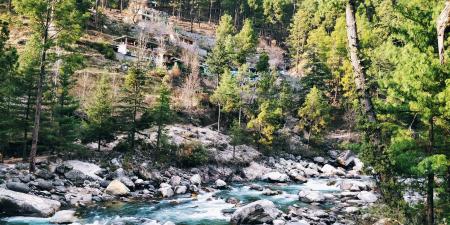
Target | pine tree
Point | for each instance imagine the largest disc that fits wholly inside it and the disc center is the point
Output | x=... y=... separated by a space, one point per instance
x=8 y=88
x=246 y=41
x=314 y=114
x=162 y=114
x=132 y=103
x=61 y=16
x=226 y=95
x=100 y=126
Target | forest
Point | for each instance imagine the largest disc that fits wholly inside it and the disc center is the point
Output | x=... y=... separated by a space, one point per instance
x=233 y=91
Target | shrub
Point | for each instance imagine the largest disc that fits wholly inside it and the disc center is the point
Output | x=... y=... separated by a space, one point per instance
x=192 y=154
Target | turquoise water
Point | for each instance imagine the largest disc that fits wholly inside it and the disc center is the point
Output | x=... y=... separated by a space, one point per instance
x=206 y=209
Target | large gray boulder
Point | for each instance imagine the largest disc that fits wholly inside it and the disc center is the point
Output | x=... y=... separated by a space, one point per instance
x=76 y=176
x=196 y=179
x=311 y=196
x=18 y=186
x=255 y=171
x=117 y=188
x=275 y=177
x=20 y=204
x=64 y=217
x=89 y=169
x=368 y=197
x=259 y=212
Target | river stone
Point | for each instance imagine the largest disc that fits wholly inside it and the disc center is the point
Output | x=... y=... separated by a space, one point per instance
x=26 y=178
x=166 y=192
x=175 y=180
x=259 y=212
x=346 y=158
x=276 y=177
x=319 y=159
x=255 y=171
x=221 y=184
x=196 y=179
x=368 y=197
x=256 y=187
x=44 y=174
x=300 y=222
x=63 y=168
x=330 y=170
x=180 y=189
x=76 y=176
x=128 y=182
x=117 y=188
x=44 y=185
x=64 y=217
x=19 y=204
x=232 y=200
x=17 y=186
x=311 y=196
x=169 y=223
x=89 y=169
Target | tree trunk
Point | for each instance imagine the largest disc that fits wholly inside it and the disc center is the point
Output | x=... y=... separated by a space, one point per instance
x=358 y=70
x=430 y=177
x=158 y=138
x=210 y=10
x=218 y=121
x=99 y=144
x=25 y=130
x=441 y=24
x=37 y=115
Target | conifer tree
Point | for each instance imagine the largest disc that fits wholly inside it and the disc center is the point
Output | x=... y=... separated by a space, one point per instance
x=246 y=41
x=100 y=125
x=132 y=103
x=314 y=114
x=226 y=95
x=162 y=114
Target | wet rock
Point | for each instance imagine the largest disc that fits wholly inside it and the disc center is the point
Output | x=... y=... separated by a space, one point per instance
x=166 y=190
x=180 y=190
x=220 y=184
x=330 y=170
x=104 y=183
x=64 y=217
x=21 y=204
x=259 y=212
x=196 y=179
x=256 y=187
x=232 y=200
x=117 y=188
x=311 y=196
x=300 y=222
x=368 y=197
x=276 y=177
x=17 y=186
x=270 y=192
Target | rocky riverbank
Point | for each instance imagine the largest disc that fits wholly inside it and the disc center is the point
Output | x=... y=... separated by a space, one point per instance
x=71 y=184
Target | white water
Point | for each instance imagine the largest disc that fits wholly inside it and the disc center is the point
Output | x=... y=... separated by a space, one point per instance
x=205 y=209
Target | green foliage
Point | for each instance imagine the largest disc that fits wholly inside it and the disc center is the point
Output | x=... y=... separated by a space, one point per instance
x=162 y=114
x=192 y=154
x=246 y=41
x=226 y=94
x=314 y=114
x=100 y=125
x=263 y=63
x=438 y=164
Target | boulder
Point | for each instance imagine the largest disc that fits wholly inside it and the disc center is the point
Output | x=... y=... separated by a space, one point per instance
x=256 y=187
x=346 y=158
x=128 y=182
x=63 y=168
x=310 y=172
x=180 y=190
x=166 y=192
x=44 y=185
x=330 y=170
x=64 y=217
x=368 y=197
x=300 y=222
x=319 y=159
x=220 y=184
x=259 y=212
x=117 y=188
x=276 y=177
x=255 y=171
x=20 y=204
x=175 y=180
x=76 y=176
x=311 y=196
x=196 y=179
x=17 y=186
x=89 y=169
x=44 y=174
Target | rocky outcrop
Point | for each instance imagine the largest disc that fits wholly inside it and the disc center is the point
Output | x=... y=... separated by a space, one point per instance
x=20 y=204
x=89 y=169
x=117 y=188
x=259 y=212
x=255 y=171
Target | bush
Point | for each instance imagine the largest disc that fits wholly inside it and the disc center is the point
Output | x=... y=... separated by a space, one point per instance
x=192 y=154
